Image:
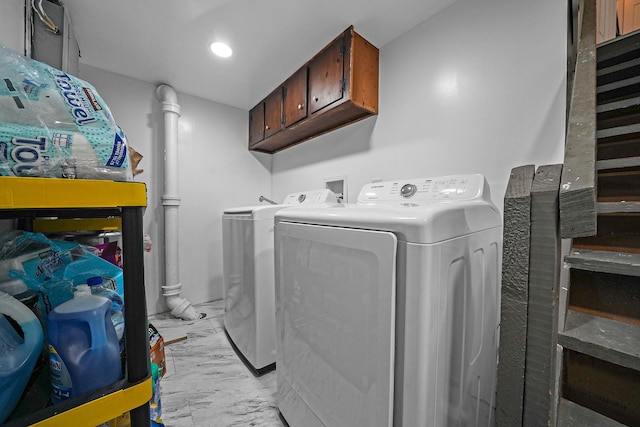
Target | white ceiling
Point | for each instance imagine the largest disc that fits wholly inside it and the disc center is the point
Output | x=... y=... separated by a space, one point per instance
x=167 y=41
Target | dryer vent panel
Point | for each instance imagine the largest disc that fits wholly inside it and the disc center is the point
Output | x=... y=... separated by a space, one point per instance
x=339 y=186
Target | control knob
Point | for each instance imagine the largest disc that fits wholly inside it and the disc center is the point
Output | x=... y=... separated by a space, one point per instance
x=408 y=190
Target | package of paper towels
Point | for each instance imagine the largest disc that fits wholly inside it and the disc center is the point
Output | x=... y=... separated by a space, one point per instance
x=56 y=125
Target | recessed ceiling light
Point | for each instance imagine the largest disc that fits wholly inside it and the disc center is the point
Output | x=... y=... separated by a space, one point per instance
x=221 y=49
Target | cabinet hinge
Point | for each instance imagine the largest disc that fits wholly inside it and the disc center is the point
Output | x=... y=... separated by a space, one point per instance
x=343 y=48
x=284 y=92
x=343 y=84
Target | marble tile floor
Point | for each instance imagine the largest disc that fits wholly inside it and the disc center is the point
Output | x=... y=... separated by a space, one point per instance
x=206 y=384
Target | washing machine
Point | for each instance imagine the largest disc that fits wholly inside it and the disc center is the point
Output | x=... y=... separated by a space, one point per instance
x=387 y=309
x=248 y=276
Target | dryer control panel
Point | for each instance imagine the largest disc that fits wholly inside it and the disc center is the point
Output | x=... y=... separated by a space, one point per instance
x=313 y=197
x=424 y=190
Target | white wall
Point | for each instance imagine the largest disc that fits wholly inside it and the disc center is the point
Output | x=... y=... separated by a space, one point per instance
x=12 y=24
x=478 y=88
x=216 y=171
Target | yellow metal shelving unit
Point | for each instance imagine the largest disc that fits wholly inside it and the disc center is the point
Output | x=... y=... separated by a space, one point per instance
x=77 y=224
x=90 y=205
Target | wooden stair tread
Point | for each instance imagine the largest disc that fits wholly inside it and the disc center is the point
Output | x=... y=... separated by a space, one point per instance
x=618 y=84
x=617 y=67
x=604 y=339
x=618 y=207
x=618 y=199
x=617 y=131
x=605 y=261
x=618 y=105
x=621 y=244
x=627 y=172
x=624 y=162
x=571 y=414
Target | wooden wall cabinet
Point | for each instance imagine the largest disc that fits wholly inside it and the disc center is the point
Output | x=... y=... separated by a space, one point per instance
x=336 y=87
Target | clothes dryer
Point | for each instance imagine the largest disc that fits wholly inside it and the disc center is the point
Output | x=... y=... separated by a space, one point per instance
x=387 y=310
x=248 y=276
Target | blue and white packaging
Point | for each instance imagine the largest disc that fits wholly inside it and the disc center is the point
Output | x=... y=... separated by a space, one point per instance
x=56 y=125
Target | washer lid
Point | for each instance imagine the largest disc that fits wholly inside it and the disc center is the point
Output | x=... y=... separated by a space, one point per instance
x=435 y=209
x=313 y=197
x=254 y=211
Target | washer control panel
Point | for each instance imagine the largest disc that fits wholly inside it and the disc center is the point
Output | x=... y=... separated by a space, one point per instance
x=312 y=197
x=411 y=192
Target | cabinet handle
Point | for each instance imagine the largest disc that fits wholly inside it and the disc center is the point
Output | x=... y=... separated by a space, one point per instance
x=266 y=127
x=299 y=106
x=315 y=98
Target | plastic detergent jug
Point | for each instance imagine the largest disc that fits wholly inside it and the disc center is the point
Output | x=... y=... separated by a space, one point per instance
x=18 y=354
x=117 y=305
x=19 y=290
x=83 y=345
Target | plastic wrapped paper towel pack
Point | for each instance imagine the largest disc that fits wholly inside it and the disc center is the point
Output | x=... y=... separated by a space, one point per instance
x=55 y=125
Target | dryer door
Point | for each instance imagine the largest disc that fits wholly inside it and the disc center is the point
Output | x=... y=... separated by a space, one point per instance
x=335 y=298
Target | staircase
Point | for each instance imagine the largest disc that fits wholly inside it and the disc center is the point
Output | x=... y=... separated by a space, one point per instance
x=600 y=379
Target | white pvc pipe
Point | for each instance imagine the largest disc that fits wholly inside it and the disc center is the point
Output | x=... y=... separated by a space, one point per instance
x=178 y=305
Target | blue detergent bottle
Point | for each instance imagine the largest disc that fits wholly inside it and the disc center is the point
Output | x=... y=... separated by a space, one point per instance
x=18 y=352
x=83 y=346
x=117 y=305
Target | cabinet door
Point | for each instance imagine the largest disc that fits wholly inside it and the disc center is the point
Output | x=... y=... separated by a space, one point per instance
x=326 y=76
x=295 y=97
x=256 y=124
x=273 y=113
